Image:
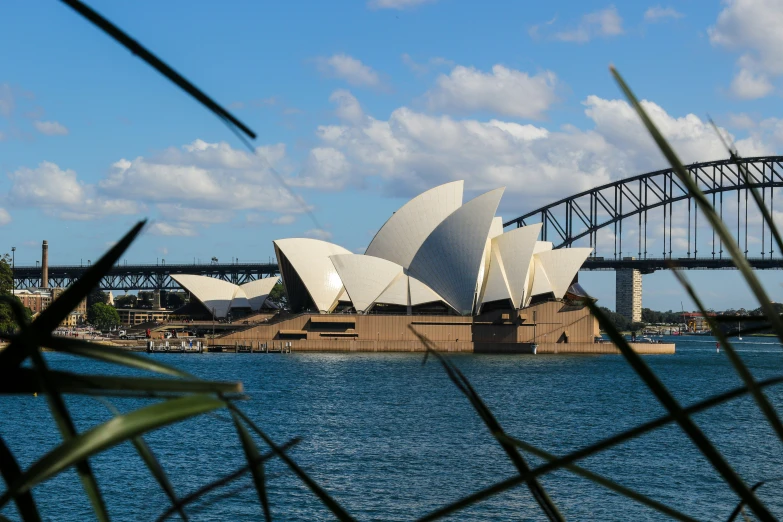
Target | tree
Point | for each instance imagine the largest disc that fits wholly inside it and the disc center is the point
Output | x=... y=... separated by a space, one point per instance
x=8 y=322
x=636 y=327
x=619 y=321
x=278 y=295
x=96 y=296
x=175 y=300
x=144 y=300
x=103 y=316
x=125 y=301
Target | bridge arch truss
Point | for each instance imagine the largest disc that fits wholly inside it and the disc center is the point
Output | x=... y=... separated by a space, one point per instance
x=629 y=202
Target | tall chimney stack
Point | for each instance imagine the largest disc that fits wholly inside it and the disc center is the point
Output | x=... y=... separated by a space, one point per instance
x=45 y=265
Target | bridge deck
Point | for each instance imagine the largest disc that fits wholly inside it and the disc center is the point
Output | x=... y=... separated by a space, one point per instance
x=150 y=277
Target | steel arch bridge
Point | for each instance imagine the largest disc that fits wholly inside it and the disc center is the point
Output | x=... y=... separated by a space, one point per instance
x=144 y=277
x=625 y=206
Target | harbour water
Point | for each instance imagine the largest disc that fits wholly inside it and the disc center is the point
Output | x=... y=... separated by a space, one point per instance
x=392 y=439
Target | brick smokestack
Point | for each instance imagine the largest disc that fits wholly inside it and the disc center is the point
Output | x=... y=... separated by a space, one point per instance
x=45 y=265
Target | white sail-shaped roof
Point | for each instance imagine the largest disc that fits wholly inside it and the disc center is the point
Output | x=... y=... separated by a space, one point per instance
x=257 y=291
x=562 y=266
x=539 y=282
x=495 y=229
x=400 y=237
x=310 y=260
x=496 y=286
x=516 y=247
x=449 y=260
x=542 y=246
x=396 y=293
x=421 y=293
x=364 y=277
x=216 y=294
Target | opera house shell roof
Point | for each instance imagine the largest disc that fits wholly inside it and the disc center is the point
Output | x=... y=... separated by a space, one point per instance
x=219 y=297
x=434 y=252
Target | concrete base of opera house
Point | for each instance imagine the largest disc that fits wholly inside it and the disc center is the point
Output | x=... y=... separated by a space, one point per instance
x=546 y=328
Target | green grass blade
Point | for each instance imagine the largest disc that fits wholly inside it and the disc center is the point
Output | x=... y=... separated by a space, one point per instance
x=25 y=381
x=705 y=206
x=763 y=403
x=10 y=470
x=53 y=315
x=685 y=422
x=200 y=492
x=110 y=354
x=109 y=434
x=157 y=471
x=494 y=427
x=255 y=463
x=68 y=431
x=605 y=482
x=593 y=449
x=336 y=509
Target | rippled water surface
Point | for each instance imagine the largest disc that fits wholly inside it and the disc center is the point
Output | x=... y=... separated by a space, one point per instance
x=392 y=439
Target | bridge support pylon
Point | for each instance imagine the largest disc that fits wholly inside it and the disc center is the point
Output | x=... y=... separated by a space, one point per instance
x=628 y=293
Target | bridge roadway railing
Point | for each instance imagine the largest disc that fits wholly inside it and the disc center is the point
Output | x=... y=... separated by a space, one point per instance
x=144 y=277
x=651 y=264
x=151 y=277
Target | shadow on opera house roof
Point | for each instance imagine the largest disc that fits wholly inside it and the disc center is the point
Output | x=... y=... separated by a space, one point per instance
x=434 y=255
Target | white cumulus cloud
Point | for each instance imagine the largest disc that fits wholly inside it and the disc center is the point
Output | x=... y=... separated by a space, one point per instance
x=60 y=193
x=348 y=107
x=5 y=217
x=752 y=28
x=162 y=228
x=750 y=86
x=659 y=14
x=286 y=219
x=603 y=23
x=50 y=128
x=396 y=4
x=412 y=151
x=349 y=69
x=318 y=233
x=503 y=91
x=206 y=176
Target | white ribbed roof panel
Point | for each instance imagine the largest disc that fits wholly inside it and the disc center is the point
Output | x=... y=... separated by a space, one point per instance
x=216 y=294
x=496 y=287
x=542 y=246
x=310 y=259
x=239 y=300
x=402 y=235
x=396 y=293
x=495 y=229
x=365 y=277
x=421 y=293
x=516 y=248
x=539 y=280
x=561 y=266
x=257 y=291
x=449 y=260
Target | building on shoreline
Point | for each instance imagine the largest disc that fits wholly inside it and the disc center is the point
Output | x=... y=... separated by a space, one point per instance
x=437 y=267
x=38 y=299
x=135 y=316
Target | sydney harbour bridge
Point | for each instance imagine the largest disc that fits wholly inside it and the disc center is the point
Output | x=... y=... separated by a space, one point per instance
x=636 y=225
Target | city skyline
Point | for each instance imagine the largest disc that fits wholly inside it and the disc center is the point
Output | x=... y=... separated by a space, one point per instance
x=358 y=109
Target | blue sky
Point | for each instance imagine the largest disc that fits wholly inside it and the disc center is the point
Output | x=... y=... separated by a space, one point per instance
x=360 y=106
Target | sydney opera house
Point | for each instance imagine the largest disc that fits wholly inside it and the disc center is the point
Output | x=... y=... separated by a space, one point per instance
x=438 y=267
